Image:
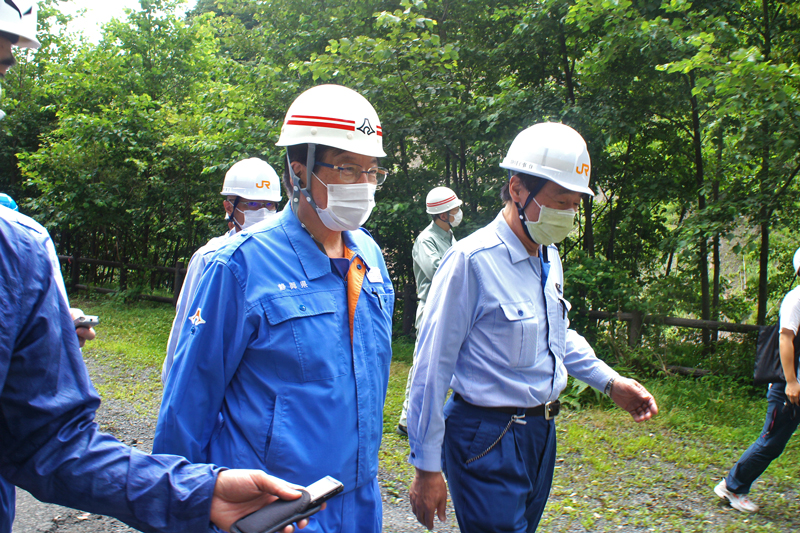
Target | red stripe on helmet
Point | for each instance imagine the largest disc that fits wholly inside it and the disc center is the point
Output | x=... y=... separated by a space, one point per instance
x=442 y=202
x=350 y=127
x=332 y=119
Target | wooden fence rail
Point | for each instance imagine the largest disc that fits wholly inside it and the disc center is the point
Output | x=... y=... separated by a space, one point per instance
x=179 y=271
x=637 y=319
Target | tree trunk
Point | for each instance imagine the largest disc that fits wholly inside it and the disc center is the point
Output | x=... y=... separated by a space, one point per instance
x=717 y=261
x=588 y=228
x=763 y=260
x=562 y=42
x=702 y=259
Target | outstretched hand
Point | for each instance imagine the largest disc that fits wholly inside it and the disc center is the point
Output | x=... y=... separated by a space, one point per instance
x=241 y=492
x=629 y=395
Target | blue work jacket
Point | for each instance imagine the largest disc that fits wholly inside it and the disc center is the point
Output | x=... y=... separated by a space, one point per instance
x=49 y=442
x=266 y=374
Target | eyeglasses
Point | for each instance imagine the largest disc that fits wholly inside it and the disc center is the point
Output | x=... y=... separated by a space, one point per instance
x=352 y=173
x=254 y=205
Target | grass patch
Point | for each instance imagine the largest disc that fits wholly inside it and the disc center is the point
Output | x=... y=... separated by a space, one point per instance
x=611 y=474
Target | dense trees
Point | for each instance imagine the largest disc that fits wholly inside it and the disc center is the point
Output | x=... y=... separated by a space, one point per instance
x=690 y=110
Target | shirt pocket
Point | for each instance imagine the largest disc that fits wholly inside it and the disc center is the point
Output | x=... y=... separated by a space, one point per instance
x=380 y=300
x=306 y=336
x=516 y=333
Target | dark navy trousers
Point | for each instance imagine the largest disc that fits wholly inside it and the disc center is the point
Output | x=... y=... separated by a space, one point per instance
x=497 y=486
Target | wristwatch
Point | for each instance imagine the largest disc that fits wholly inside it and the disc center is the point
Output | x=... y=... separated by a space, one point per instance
x=609 y=387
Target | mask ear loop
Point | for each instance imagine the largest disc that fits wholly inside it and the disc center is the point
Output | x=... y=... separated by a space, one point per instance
x=521 y=210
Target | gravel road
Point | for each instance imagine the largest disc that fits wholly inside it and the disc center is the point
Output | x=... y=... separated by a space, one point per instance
x=136 y=427
x=631 y=489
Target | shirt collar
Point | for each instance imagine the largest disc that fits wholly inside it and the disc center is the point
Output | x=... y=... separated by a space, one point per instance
x=516 y=250
x=315 y=263
x=444 y=234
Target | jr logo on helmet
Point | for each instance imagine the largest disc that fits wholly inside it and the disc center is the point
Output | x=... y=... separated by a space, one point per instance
x=366 y=128
x=583 y=169
x=263 y=184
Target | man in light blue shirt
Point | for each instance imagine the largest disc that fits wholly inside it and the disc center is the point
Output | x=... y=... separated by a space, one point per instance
x=496 y=331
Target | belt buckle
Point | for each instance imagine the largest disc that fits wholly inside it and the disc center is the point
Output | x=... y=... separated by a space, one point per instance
x=551 y=410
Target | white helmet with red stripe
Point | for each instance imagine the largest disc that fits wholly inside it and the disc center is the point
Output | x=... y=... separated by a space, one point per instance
x=441 y=200
x=335 y=116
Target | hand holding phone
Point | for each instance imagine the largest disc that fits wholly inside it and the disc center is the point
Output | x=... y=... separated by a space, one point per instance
x=86 y=321
x=281 y=513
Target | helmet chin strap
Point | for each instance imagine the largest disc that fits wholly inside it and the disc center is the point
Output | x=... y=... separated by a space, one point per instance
x=231 y=218
x=296 y=188
x=521 y=209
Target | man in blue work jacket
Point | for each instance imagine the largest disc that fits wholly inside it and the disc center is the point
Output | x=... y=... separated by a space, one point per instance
x=496 y=331
x=284 y=360
x=49 y=442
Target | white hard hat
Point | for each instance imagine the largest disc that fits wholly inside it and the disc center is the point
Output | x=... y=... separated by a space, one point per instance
x=253 y=179
x=18 y=17
x=552 y=151
x=796 y=262
x=335 y=116
x=441 y=200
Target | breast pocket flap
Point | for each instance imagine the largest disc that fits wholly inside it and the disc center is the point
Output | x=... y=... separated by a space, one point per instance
x=518 y=310
x=312 y=304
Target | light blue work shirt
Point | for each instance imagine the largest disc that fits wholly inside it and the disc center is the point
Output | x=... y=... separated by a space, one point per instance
x=194 y=270
x=266 y=374
x=494 y=335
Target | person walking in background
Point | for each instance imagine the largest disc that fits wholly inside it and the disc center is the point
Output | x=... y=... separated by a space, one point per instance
x=252 y=192
x=430 y=246
x=285 y=362
x=496 y=331
x=783 y=412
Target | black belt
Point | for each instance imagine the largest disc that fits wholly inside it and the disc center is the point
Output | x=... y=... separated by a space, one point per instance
x=548 y=410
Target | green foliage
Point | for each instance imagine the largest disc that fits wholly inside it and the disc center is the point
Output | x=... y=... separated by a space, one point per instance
x=690 y=111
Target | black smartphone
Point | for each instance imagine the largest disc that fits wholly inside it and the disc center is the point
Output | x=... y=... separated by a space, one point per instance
x=281 y=513
x=86 y=321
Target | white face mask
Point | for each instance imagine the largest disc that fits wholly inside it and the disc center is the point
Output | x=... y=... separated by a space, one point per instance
x=553 y=225
x=456 y=219
x=251 y=218
x=349 y=205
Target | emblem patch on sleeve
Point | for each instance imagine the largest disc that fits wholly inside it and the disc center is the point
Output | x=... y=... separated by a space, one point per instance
x=196 y=319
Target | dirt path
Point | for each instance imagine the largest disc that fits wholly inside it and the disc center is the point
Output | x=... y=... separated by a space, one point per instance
x=611 y=475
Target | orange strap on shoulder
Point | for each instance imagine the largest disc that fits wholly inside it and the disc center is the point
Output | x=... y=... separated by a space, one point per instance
x=355 y=280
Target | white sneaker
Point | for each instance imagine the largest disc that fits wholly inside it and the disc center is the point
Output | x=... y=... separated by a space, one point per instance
x=740 y=502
